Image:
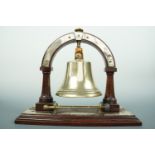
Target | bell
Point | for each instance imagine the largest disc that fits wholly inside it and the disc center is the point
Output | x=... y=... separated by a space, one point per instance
x=78 y=81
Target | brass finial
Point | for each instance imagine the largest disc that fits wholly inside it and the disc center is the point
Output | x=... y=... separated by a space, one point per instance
x=78 y=30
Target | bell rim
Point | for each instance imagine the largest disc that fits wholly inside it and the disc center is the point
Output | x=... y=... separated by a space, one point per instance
x=76 y=61
x=72 y=94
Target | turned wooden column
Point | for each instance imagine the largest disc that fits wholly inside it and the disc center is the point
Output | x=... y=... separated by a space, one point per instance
x=109 y=97
x=45 y=98
x=46 y=91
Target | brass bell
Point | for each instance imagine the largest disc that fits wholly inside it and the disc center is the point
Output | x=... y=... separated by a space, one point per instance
x=78 y=80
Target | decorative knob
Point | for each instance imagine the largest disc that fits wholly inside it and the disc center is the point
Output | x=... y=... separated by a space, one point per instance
x=78 y=30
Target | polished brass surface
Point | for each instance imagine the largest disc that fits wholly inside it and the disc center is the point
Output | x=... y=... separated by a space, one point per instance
x=78 y=81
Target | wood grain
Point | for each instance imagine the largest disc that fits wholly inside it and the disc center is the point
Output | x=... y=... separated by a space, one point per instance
x=68 y=117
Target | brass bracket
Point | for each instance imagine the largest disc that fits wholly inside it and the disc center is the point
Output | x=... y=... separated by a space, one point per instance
x=106 y=107
x=56 y=106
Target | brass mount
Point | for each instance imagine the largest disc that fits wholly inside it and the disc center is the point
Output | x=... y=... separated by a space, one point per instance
x=56 y=106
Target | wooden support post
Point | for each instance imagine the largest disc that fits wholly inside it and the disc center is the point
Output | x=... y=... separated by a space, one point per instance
x=45 y=98
x=110 y=98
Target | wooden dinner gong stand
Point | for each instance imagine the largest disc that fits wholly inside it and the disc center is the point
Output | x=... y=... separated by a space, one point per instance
x=108 y=113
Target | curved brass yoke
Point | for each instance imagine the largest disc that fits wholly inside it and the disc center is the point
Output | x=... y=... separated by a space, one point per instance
x=79 y=36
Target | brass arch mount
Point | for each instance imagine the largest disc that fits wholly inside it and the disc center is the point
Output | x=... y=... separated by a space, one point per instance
x=83 y=37
x=78 y=36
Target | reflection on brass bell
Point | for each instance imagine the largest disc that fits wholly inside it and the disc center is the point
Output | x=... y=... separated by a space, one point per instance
x=78 y=80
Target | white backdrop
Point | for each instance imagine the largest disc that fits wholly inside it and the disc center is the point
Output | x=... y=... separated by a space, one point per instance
x=22 y=49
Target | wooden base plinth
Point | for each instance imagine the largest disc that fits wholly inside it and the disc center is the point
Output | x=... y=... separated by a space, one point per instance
x=88 y=116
